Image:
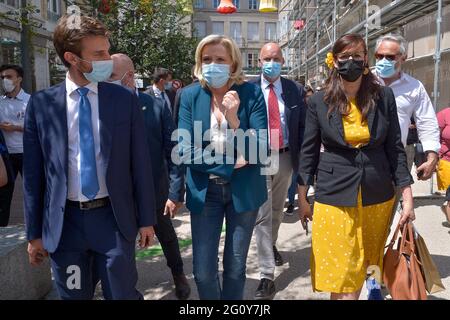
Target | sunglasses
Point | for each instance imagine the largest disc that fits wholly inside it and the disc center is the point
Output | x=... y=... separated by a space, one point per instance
x=390 y=57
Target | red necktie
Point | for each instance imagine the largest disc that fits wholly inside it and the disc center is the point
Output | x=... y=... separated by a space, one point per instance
x=276 y=134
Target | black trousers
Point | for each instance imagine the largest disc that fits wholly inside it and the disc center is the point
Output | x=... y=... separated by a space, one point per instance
x=6 y=192
x=168 y=239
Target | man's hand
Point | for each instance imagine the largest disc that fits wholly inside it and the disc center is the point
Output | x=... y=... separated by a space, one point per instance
x=147 y=235
x=9 y=127
x=425 y=171
x=36 y=252
x=172 y=208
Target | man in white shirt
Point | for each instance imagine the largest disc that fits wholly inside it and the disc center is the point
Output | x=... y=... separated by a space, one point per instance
x=412 y=100
x=12 y=111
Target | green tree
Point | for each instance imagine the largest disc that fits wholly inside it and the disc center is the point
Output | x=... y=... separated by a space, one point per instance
x=154 y=33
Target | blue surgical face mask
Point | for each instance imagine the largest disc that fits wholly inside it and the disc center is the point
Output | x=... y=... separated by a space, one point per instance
x=386 y=68
x=215 y=74
x=168 y=85
x=101 y=70
x=271 y=69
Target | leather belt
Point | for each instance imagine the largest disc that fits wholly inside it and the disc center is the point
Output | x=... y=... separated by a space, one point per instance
x=89 y=205
x=280 y=151
x=219 y=181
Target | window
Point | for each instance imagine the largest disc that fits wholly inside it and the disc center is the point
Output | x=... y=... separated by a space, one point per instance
x=53 y=6
x=200 y=29
x=218 y=27
x=235 y=31
x=11 y=3
x=236 y=3
x=271 y=31
x=199 y=4
x=53 y=10
x=216 y=3
x=253 y=31
x=252 y=60
x=253 y=4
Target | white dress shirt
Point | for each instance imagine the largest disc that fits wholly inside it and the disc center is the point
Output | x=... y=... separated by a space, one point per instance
x=12 y=110
x=158 y=94
x=281 y=106
x=412 y=100
x=74 y=159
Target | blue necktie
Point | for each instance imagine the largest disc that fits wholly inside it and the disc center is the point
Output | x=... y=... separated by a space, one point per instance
x=89 y=181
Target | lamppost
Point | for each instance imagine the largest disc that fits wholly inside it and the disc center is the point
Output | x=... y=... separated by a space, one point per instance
x=25 y=47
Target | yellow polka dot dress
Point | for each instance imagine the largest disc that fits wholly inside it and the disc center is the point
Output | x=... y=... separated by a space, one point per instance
x=346 y=240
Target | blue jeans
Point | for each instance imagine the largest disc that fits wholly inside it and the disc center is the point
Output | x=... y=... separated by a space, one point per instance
x=293 y=189
x=206 y=229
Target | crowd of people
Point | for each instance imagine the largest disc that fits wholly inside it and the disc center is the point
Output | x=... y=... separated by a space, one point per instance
x=100 y=166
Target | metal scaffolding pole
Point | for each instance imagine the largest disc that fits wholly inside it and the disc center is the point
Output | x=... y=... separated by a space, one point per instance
x=437 y=64
x=367 y=23
x=316 y=76
x=334 y=20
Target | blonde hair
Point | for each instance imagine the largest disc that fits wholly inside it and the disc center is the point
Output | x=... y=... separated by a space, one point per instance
x=233 y=50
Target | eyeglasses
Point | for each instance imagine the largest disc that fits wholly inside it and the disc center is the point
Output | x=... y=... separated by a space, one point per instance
x=390 y=57
x=357 y=56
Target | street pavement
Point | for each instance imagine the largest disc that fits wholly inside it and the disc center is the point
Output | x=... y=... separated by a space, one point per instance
x=293 y=280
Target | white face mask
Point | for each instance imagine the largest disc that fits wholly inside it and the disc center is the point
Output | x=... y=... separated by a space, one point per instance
x=8 y=85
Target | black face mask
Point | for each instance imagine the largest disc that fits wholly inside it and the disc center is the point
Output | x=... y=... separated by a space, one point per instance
x=351 y=70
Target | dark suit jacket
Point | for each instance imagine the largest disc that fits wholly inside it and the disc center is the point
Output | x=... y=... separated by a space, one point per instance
x=170 y=94
x=343 y=169
x=124 y=150
x=176 y=103
x=159 y=126
x=248 y=185
x=294 y=100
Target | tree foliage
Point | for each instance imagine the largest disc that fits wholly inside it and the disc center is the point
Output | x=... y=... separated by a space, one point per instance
x=154 y=33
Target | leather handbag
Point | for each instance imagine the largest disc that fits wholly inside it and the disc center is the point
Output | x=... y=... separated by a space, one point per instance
x=401 y=267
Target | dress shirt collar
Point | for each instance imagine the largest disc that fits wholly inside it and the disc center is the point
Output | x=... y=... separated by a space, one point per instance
x=21 y=96
x=156 y=90
x=72 y=86
x=276 y=85
x=403 y=79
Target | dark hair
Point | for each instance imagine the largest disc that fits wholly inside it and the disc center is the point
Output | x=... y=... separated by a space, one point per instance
x=369 y=90
x=161 y=73
x=15 y=67
x=67 y=38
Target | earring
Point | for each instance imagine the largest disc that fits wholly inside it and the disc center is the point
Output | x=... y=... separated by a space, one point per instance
x=366 y=71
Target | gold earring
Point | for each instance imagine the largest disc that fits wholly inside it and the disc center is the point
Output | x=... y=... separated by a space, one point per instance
x=366 y=71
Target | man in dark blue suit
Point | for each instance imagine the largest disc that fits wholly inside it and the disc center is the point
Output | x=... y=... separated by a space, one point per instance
x=286 y=114
x=169 y=196
x=87 y=173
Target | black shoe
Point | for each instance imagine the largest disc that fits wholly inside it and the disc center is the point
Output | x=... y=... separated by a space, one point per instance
x=266 y=290
x=290 y=210
x=277 y=257
x=182 y=288
x=446 y=224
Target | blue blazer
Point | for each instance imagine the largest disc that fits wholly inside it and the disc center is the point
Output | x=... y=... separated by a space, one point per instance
x=45 y=165
x=159 y=126
x=248 y=185
x=294 y=100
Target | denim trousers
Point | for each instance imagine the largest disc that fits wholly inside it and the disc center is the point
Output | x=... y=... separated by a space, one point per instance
x=206 y=228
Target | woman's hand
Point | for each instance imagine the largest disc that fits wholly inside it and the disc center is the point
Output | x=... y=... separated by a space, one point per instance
x=408 y=206
x=231 y=104
x=305 y=210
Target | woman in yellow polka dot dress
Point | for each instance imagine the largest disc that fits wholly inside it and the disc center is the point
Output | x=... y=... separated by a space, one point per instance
x=355 y=119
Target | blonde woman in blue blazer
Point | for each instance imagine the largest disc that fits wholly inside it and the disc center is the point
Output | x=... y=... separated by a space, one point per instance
x=224 y=179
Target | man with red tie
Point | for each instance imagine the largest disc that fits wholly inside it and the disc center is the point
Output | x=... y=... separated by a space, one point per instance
x=286 y=114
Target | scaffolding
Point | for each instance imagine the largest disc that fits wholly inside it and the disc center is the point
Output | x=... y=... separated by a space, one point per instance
x=326 y=20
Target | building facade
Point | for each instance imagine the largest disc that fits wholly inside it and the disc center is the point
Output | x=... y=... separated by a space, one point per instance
x=250 y=28
x=46 y=68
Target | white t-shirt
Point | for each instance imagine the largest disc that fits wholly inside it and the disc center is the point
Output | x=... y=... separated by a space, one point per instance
x=12 y=110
